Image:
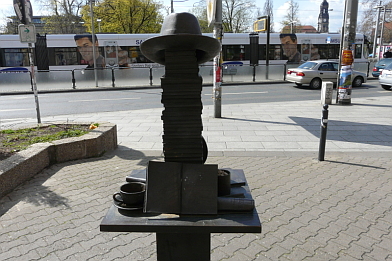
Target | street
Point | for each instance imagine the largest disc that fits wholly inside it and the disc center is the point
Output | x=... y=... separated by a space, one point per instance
x=52 y=104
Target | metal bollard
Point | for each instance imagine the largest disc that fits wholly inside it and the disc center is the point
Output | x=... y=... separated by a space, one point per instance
x=323 y=135
x=113 y=79
x=326 y=93
x=151 y=76
x=73 y=79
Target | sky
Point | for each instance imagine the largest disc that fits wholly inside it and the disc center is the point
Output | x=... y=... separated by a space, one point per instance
x=308 y=14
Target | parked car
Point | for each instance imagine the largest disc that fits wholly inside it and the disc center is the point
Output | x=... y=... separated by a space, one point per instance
x=385 y=78
x=381 y=65
x=315 y=72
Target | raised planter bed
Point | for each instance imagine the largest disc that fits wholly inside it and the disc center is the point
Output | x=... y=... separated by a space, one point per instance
x=25 y=164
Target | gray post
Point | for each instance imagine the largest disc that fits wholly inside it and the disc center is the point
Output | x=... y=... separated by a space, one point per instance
x=217 y=88
x=34 y=82
x=350 y=24
x=267 y=49
x=384 y=8
x=93 y=38
x=376 y=31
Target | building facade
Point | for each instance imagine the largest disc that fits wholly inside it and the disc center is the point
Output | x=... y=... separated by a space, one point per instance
x=323 y=19
x=298 y=29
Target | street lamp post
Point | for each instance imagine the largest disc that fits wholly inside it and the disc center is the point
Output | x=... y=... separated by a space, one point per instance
x=172 y=5
x=347 y=58
x=218 y=73
x=385 y=9
x=94 y=42
x=379 y=7
x=292 y=25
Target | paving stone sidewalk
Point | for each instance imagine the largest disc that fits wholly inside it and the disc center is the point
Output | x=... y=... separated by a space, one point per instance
x=366 y=125
x=337 y=209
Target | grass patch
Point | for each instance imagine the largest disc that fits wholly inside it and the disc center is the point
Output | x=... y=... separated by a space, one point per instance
x=12 y=141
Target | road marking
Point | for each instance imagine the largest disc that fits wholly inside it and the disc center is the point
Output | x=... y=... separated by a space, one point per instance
x=16 y=98
x=236 y=93
x=105 y=100
x=16 y=110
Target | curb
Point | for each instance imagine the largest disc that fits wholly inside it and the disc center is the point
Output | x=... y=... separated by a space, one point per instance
x=94 y=89
x=25 y=164
x=98 y=89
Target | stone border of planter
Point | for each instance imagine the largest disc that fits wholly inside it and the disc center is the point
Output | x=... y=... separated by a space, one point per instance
x=25 y=164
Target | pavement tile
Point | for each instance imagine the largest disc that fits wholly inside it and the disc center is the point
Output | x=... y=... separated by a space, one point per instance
x=299 y=254
x=275 y=252
x=310 y=210
x=379 y=253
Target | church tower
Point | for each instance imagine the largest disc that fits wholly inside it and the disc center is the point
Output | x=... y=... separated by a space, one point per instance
x=323 y=19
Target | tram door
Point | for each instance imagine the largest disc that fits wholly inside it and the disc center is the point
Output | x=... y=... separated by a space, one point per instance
x=111 y=53
x=306 y=50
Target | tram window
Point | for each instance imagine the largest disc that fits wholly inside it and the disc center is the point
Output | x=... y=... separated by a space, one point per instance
x=16 y=57
x=261 y=52
x=234 y=52
x=323 y=50
x=335 y=51
x=134 y=55
x=275 y=52
x=366 y=50
x=358 y=51
x=65 y=56
x=328 y=51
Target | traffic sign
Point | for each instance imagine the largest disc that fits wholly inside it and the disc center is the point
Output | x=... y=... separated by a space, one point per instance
x=260 y=25
x=27 y=33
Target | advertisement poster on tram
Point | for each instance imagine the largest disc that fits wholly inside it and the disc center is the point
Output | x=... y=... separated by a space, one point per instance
x=111 y=54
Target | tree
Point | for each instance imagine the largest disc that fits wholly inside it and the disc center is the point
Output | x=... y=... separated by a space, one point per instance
x=126 y=16
x=367 y=24
x=291 y=18
x=64 y=16
x=200 y=11
x=237 y=15
x=6 y=24
x=268 y=11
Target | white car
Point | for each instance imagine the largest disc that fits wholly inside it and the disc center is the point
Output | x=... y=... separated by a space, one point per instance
x=385 y=78
x=315 y=72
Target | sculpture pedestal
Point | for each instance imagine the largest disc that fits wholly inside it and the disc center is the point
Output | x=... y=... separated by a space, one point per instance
x=185 y=237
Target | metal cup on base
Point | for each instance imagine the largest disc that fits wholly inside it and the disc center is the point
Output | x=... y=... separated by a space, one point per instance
x=131 y=194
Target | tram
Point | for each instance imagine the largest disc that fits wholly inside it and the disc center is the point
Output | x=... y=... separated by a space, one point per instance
x=56 y=52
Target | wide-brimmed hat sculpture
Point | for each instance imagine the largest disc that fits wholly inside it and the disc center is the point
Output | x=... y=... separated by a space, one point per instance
x=182 y=31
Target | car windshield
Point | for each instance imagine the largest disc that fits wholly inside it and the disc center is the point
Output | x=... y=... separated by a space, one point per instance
x=307 y=65
x=388 y=67
x=384 y=62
